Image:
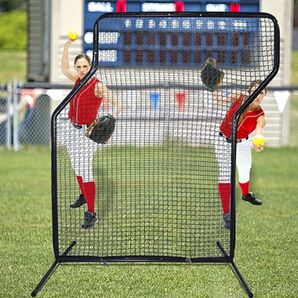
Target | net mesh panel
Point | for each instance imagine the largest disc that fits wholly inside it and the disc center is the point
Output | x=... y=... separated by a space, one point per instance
x=157 y=178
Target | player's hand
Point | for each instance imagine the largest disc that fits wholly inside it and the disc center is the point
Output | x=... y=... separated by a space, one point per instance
x=68 y=43
x=258 y=142
x=72 y=35
x=258 y=148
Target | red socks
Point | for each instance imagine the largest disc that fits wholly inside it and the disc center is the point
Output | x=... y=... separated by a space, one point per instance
x=225 y=196
x=88 y=190
x=244 y=188
x=80 y=181
x=89 y=193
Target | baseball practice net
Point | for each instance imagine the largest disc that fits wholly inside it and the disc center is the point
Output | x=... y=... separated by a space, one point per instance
x=157 y=178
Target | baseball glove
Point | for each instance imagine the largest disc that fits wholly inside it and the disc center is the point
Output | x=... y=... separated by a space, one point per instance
x=211 y=76
x=101 y=129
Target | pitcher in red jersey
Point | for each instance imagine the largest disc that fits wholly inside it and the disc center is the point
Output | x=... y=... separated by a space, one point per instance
x=83 y=110
x=252 y=119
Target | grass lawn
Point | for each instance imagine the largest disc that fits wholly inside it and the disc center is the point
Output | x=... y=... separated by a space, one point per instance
x=266 y=248
x=13 y=66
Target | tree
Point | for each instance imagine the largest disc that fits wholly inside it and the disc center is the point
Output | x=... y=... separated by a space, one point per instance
x=8 y=5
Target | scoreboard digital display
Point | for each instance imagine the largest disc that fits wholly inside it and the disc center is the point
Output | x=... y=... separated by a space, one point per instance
x=138 y=42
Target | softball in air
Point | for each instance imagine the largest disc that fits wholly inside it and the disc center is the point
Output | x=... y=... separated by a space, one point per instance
x=259 y=141
x=72 y=35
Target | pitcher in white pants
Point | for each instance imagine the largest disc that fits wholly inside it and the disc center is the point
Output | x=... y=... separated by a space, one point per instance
x=252 y=119
x=83 y=110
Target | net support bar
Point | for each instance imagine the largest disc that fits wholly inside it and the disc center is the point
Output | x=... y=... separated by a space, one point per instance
x=66 y=259
x=50 y=271
x=237 y=273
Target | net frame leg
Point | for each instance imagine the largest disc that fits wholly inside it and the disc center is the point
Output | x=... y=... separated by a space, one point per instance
x=45 y=278
x=241 y=279
x=237 y=272
x=51 y=270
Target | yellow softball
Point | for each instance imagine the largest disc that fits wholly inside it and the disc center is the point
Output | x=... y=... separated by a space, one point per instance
x=72 y=35
x=259 y=141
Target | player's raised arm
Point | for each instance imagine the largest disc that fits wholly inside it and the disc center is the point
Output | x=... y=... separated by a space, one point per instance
x=258 y=140
x=261 y=123
x=65 y=66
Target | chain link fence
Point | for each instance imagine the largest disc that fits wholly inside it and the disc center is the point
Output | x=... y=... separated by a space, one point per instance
x=3 y=120
x=25 y=113
x=6 y=115
x=34 y=124
x=26 y=109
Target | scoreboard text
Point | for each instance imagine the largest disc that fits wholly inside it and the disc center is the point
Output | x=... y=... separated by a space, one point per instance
x=170 y=42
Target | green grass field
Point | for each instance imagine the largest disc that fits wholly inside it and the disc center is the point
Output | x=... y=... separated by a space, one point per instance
x=266 y=248
x=151 y=201
x=12 y=65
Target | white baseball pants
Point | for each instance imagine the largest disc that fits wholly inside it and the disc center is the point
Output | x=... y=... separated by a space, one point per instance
x=223 y=151
x=81 y=151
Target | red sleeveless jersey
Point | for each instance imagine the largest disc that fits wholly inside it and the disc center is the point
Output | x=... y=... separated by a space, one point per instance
x=84 y=106
x=246 y=126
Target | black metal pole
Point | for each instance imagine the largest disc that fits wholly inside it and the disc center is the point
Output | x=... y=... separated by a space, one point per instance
x=241 y=280
x=51 y=270
x=236 y=271
x=45 y=278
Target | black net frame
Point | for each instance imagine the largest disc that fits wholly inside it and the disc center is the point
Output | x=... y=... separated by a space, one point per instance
x=167 y=205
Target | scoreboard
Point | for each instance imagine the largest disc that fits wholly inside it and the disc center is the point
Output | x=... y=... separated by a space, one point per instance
x=170 y=42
